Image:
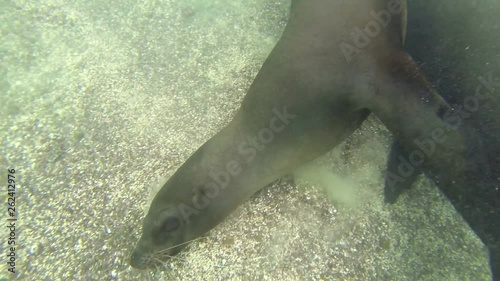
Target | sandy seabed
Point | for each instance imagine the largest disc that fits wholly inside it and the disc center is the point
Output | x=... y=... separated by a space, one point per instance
x=100 y=100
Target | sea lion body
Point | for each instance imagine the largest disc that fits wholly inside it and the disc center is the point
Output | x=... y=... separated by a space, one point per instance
x=305 y=83
x=336 y=62
x=300 y=98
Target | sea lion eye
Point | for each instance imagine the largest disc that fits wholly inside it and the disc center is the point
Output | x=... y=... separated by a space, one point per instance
x=170 y=224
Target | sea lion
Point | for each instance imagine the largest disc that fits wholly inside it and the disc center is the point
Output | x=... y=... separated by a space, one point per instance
x=335 y=62
x=463 y=63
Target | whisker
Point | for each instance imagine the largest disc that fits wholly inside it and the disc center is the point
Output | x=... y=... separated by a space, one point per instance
x=156 y=262
x=163 y=268
x=174 y=257
x=183 y=243
x=164 y=265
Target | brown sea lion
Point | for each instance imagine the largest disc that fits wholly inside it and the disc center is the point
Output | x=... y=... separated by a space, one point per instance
x=335 y=62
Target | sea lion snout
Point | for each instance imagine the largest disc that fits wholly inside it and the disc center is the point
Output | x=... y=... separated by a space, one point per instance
x=147 y=255
x=162 y=237
x=138 y=260
x=142 y=256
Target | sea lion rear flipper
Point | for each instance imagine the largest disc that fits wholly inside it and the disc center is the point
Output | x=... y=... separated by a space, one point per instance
x=397 y=165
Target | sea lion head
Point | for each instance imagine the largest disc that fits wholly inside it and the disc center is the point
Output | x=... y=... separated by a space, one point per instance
x=163 y=232
x=179 y=213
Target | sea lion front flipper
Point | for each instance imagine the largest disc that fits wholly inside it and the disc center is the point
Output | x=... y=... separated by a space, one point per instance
x=400 y=174
x=437 y=140
x=421 y=121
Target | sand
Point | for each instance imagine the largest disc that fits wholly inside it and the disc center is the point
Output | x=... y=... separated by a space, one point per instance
x=100 y=100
